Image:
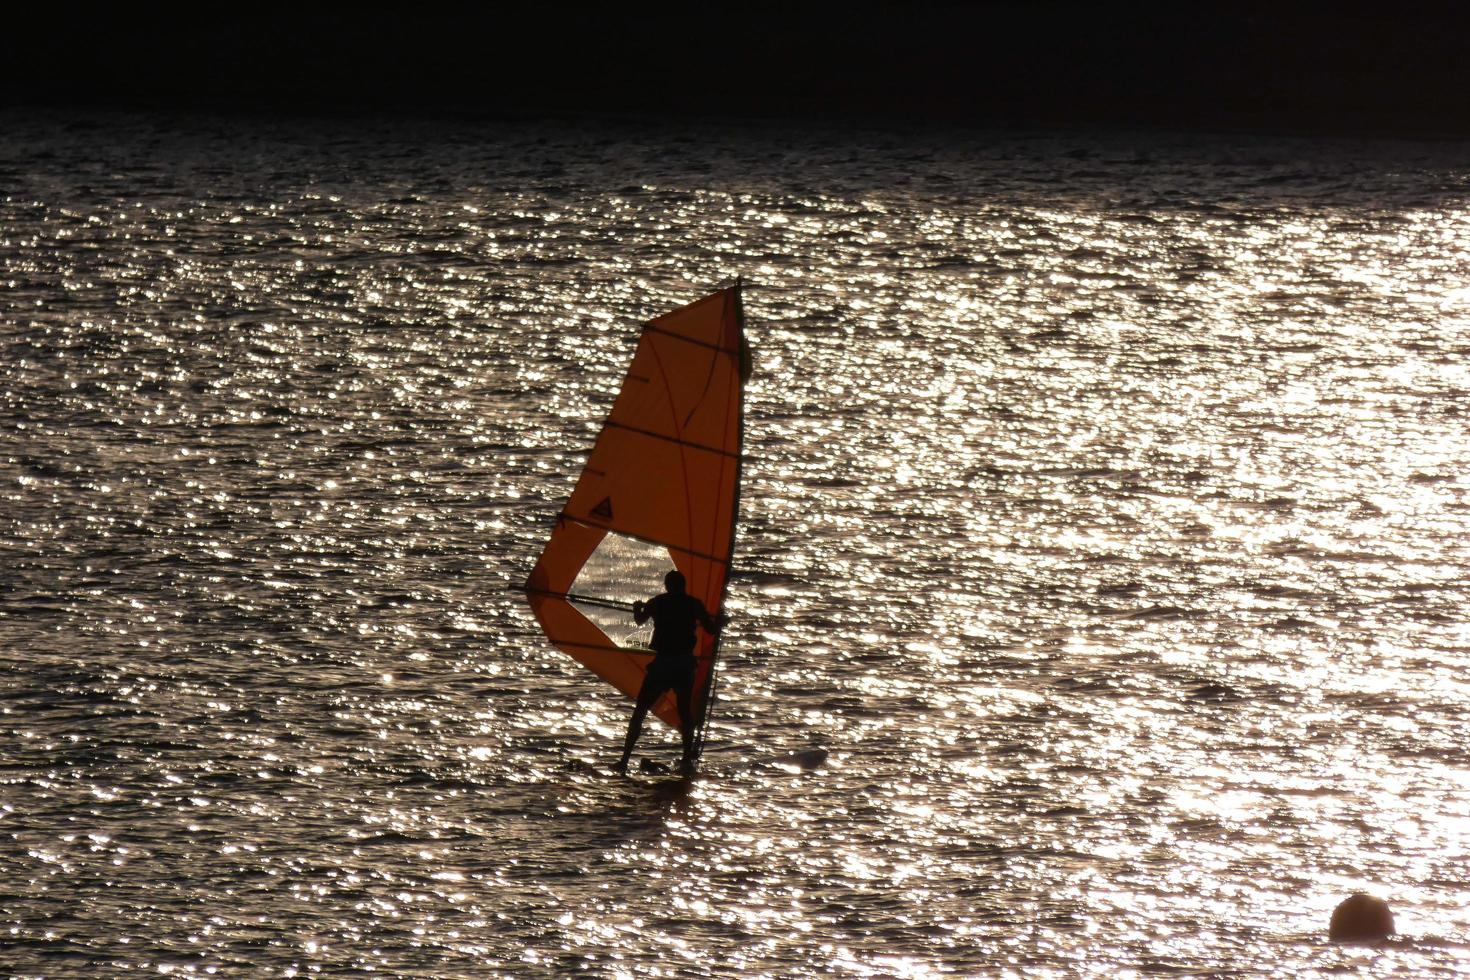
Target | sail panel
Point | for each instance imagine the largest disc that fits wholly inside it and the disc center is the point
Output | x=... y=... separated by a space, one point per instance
x=662 y=476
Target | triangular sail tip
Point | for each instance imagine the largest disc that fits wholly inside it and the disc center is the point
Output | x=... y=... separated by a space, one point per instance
x=730 y=287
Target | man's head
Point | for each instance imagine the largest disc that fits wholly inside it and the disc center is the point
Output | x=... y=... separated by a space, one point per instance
x=674 y=582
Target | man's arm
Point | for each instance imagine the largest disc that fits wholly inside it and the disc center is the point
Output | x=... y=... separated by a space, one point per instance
x=711 y=624
x=641 y=612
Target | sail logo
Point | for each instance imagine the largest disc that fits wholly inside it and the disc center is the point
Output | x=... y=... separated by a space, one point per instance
x=604 y=509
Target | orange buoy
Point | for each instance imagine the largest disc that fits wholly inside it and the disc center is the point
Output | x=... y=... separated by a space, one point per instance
x=1361 y=919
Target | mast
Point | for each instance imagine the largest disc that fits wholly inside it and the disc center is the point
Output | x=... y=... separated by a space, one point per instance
x=706 y=701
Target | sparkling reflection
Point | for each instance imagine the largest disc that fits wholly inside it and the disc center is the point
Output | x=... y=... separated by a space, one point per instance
x=1106 y=520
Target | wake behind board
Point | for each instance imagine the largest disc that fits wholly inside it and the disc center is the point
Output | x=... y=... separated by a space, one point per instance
x=796 y=761
x=791 y=764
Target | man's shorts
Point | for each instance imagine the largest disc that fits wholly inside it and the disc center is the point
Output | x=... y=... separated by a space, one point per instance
x=670 y=673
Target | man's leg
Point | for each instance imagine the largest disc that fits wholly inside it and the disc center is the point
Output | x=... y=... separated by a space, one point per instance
x=686 y=723
x=647 y=694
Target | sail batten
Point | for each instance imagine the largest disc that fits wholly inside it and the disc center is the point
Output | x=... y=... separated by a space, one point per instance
x=667 y=544
x=692 y=340
x=660 y=490
x=674 y=439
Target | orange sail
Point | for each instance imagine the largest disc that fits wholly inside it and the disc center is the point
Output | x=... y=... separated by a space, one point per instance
x=660 y=491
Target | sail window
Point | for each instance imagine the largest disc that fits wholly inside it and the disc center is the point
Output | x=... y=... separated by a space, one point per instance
x=622 y=570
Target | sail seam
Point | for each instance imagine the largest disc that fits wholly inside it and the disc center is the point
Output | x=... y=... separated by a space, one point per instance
x=674 y=439
x=638 y=537
x=689 y=340
x=605 y=648
x=610 y=648
x=674 y=418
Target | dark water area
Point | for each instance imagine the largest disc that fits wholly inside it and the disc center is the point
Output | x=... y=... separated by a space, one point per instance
x=1298 y=68
x=1105 y=516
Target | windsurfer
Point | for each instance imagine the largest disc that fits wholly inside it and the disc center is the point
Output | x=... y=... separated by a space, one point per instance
x=675 y=614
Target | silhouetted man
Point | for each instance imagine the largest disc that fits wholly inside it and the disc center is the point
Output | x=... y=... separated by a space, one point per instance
x=674 y=615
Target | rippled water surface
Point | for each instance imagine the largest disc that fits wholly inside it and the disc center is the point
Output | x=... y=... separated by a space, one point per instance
x=1106 y=516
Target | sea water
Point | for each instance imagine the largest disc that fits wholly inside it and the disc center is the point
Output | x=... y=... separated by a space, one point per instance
x=1106 y=516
